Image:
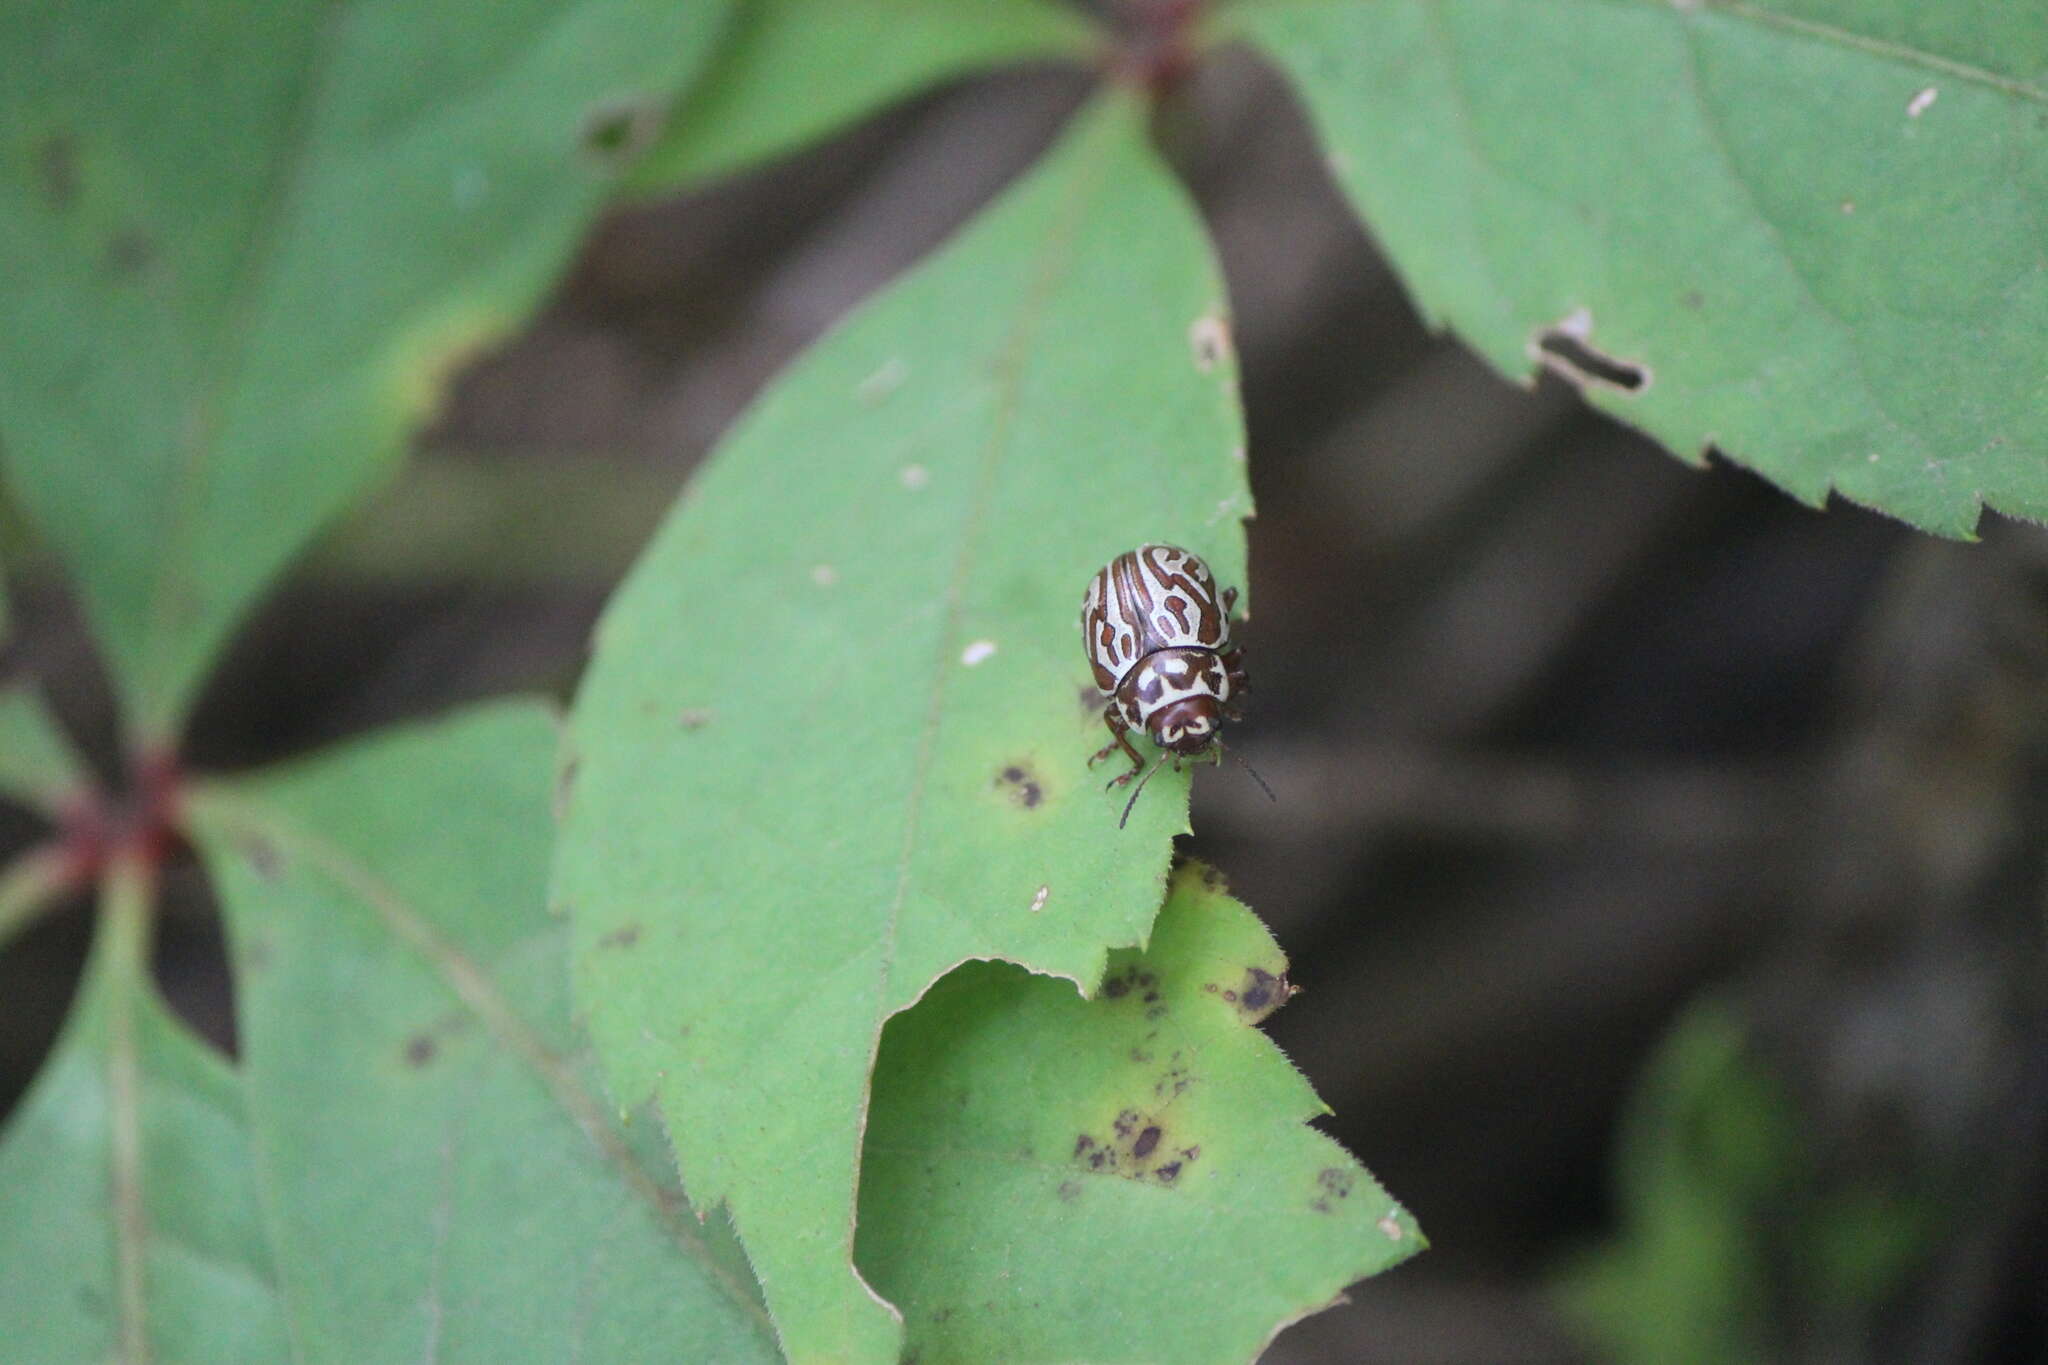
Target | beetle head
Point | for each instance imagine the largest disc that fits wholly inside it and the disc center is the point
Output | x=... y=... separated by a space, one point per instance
x=1187 y=726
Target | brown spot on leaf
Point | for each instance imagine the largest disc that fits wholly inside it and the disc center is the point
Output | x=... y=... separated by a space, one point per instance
x=129 y=254
x=693 y=718
x=625 y=936
x=1021 y=785
x=263 y=857
x=1168 y=1173
x=614 y=134
x=1261 y=992
x=419 y=1050
x=57 y=170
x=1146 y=1141
x=1069 y=1191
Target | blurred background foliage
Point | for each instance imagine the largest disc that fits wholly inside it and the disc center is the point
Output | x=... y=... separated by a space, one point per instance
x=1662 y=861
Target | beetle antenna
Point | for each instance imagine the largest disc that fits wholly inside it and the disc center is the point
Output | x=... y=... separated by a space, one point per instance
x=1131 y=804
x=1255 y=776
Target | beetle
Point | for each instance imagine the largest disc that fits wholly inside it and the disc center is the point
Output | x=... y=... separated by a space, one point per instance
x=1157 y=635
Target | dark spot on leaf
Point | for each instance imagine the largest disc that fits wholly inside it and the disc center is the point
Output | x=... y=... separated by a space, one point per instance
x=625 y=936
x=941 y=1314
x=1147 y=1140
x=1168 y=1173
x=1127 y=1123
x=129 y=254
x=1070 y=1190
x=1156 y=1012
x=1212 y=878
x=263 y=857
x=1190 y=1153
x=1261 y=993
x=1231 y=996
x=1083 y=1145
x=1151 y=997
x=1117 y=987
x=1694 y=299
x=1577 y=361
x=419 y=1050
x=693 y=718
x=57 y=170
x=1021 y=785
x=1140 y=1056
x=1321 y=1206
x=614 y=134
x=1335 y=1180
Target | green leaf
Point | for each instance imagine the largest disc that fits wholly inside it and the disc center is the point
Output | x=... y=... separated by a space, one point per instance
x=1732 y=1232
x=247 y=242
x=37 y=765
x=129 y=1229
x=1812 y=228
x=788 y=72
x=834 y=739
x=1053 y=1179
x=444 y=1181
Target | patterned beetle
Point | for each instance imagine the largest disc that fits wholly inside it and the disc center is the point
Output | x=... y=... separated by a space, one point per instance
x=1158 y=639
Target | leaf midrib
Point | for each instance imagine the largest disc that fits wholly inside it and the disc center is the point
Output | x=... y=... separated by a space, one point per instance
x=1053 y=262
x=228 y=354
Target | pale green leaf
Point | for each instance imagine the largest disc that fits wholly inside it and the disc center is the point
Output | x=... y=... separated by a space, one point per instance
x=1814 y=229
x=787 y=72
x=245 y=244
x=834 y=739
x=37 y=765
x=129 y=1228
x=445 y=1180
x=1128 y=1178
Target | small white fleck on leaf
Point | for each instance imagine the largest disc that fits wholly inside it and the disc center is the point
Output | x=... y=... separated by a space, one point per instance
x=915 y=476
x=977 y=652
x=1209 y=338
x=1918 y=105
x=883 y=381
x=1038 y=901
x=824 y=575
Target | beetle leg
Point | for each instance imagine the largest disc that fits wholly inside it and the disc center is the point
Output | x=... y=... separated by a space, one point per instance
x=1122 y=734
x=1230 y=603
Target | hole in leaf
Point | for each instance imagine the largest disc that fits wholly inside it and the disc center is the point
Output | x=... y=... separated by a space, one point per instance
x=1566 y=351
